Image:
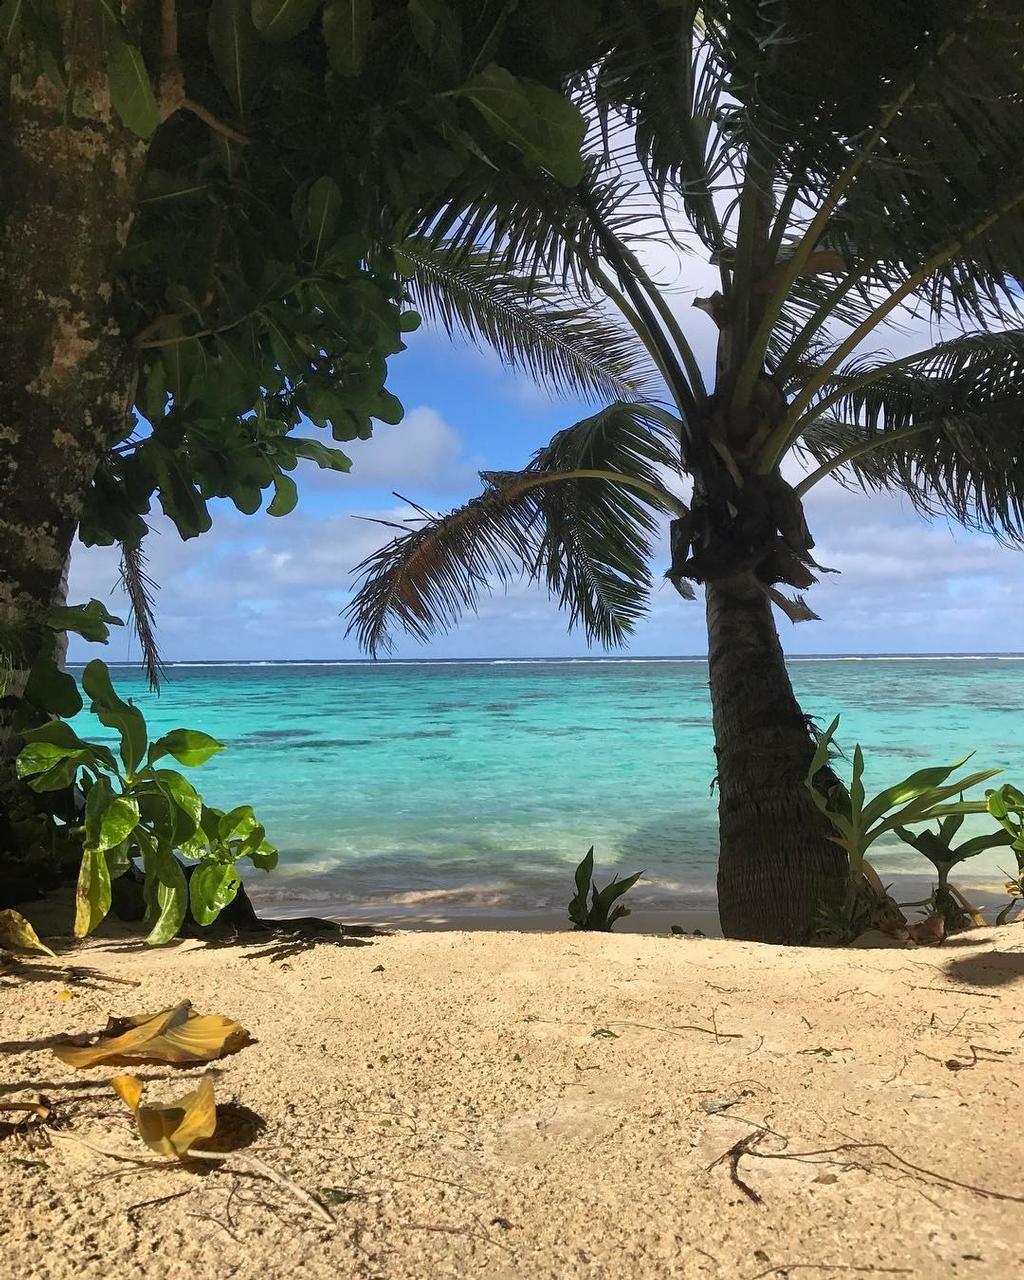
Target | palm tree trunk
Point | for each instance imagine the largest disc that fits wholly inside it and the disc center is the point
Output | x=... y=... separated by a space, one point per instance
x=67 y=374
x=776 y=865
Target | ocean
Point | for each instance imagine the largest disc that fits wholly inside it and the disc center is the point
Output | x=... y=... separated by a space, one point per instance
x=434 y=789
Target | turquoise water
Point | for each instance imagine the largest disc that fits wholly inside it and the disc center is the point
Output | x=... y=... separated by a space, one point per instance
x=460 y=786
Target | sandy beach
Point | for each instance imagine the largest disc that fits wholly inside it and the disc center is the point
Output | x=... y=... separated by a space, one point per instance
x=534 y=1105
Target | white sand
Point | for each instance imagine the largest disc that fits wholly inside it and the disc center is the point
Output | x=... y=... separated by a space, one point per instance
x=474 y=1119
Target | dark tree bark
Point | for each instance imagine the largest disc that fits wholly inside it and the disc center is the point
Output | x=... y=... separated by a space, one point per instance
x=67 y=190
x=776 y=864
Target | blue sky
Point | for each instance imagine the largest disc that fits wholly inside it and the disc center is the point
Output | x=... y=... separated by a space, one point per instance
x=258 y=588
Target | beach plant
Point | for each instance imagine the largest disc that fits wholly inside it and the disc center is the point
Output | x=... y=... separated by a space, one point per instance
x=833 y=190
x=603 y=908
x=1007 y=807
x=937 y=846
x=922 y=797
x=135 y=810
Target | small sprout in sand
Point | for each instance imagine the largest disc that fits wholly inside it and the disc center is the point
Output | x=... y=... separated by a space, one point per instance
x=171 y=1128
x=15 y=931
x=338 y=1195
x=600 y=914
x=177 y=1035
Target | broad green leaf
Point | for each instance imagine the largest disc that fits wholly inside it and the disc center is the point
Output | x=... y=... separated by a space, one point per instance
x=410 y=321
x=544 y=125
x=181 y=793
x=236 y=824
x=239 y=54
x=62 y=775
x=347 y=34
x=212 y=886
x=279 y=20
x=62 y=735
x=917 y=784
x=920 y=807
x=325 y=457
x=168 y=892
x=436 y=29
x=92 y=895
x=15 y=931
x=52 y=690
x=265 y=857
x=286 y=495
x=118 y=860
x=116 y=714
x=131 y=91
x=119 y=821
x=323 y=208
x=189 y=747
x=37 y=757
x=91 y=621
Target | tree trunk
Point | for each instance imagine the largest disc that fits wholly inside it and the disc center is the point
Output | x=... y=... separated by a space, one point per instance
x=776 y=864
x=67 y=190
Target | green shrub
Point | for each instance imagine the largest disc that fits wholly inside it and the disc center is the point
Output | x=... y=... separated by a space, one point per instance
x=136 y=810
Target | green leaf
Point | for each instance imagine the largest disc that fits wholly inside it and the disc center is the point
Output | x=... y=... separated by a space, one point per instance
x=10 y=34
x=323 y=208
x=16 y=931
x=279 y=20
x=182 y=793
x=188 y=746
x=131 y=91
x=347 y=34
x=168 y=891
x=91 y=621
x=92 y=895
x=238 y=823
x=62 y=735
x=239 y=54
x=212 y=886
x=264 y=857
x=116 y=714
x=119 y=821
x=52 y=690
x=544 y=125
x=286 y=495
x=39 y=757
x=409 y=321
x=436 y=29
x=909 y=789
x=325 y=457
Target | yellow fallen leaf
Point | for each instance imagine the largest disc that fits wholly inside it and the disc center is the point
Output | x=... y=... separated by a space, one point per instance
x=65 y=995
x=177 y=1035
x=15 y=931
x=171 y=1128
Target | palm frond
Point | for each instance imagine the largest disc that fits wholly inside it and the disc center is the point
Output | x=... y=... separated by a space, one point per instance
x=589 y=538
x=565 y=344
x=966 y=397
x=140 y=589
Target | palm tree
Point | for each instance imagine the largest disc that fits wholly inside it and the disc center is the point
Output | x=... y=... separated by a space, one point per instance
x=843 y=167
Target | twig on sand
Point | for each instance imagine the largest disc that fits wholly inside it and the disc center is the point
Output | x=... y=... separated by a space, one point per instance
x=784 y=1268
x=249 y=1164
x=960 y=991
x=683 y=1026
x=735 y=1153
x=458 y=1231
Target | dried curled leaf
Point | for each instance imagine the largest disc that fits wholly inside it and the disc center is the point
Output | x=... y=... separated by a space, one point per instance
x=171 y=1128
x=30 y=1114
x=177 y=1035
x=15 y=931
